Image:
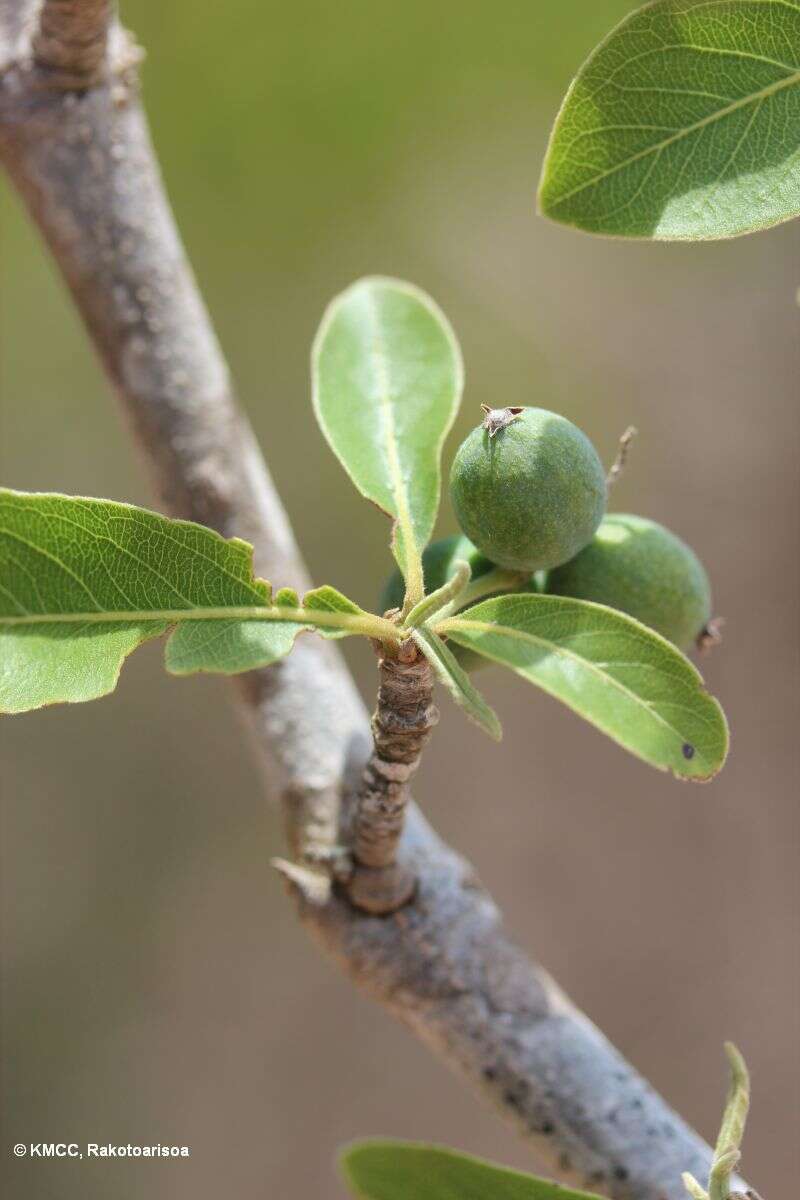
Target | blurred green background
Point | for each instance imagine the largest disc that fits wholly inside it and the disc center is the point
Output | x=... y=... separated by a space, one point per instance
x=156 y=984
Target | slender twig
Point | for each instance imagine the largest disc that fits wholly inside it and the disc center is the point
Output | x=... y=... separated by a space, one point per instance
x=442 y=964
x=499 y=579
x=618 y=465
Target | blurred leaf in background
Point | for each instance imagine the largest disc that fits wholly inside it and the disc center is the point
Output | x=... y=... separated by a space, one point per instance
x=390 y=1170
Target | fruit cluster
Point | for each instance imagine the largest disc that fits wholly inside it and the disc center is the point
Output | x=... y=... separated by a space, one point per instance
x=529 y=492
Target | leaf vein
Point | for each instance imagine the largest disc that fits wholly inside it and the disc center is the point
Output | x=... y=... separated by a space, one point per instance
x=657 y=147
x=23 y=610
x=555 y=648
x=56 y=561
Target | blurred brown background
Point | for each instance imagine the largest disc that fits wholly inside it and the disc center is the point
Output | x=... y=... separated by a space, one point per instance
x=156 y=985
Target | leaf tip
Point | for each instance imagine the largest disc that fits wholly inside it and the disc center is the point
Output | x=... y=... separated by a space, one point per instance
x=693 y=1187
x=740 y=1076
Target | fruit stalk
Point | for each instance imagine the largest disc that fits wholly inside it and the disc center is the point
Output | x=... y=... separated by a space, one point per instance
x=401 y=726
x=496 y=580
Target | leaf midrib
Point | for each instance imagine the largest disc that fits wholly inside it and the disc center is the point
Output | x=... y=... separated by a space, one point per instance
x=523 y=635
x=404 y=520
x=657 y=147
x=367 y=624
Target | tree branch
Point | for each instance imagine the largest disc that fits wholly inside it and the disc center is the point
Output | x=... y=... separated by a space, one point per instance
x=83 y=163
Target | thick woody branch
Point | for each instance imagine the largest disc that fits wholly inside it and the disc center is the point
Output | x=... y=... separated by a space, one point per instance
x=442 y=964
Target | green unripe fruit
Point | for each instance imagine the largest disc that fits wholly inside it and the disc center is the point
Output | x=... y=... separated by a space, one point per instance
x=642 y=569
x=438 y=566
x=529 y=490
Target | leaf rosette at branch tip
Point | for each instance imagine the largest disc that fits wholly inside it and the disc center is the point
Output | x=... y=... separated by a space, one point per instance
x=84 y=582
x=387 y=377
x=683 y=124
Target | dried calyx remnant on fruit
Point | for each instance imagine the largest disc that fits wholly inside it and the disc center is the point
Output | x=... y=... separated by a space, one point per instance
x=528 y=489
x=639 y=567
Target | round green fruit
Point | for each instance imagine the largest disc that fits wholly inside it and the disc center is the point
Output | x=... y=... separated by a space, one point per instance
x=642 y=569
x=438 y=566
x=528 y=488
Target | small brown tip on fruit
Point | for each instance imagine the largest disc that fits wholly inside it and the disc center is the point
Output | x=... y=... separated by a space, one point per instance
x=496 y=419
x=710 y=635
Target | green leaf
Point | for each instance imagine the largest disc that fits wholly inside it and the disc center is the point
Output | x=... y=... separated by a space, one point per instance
x=84 y=582
x=387 y=379
x=693 y=1187
x=49 y=664
x=286 y=597
x=326 y=599
x=683 y=124
x=621 y=676
x=457 y=682
x=228 y=647
x=387 y=1170
x=737 y=1103
x=727 y=1149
